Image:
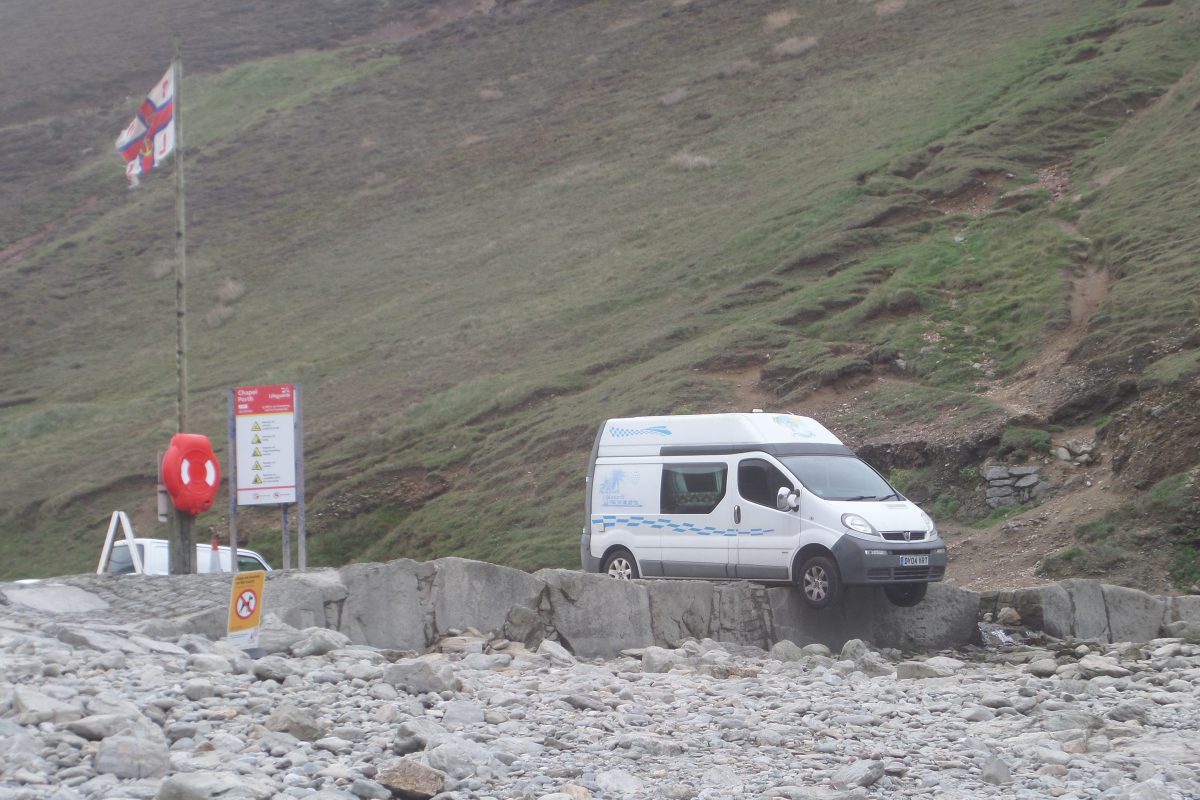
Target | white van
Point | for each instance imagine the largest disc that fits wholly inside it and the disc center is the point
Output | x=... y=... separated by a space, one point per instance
x=156 y=558
x=763 y=496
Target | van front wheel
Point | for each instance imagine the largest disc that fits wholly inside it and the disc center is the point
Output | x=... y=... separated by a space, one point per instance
x=620 y=565
x=905 y=595
x=820 y=582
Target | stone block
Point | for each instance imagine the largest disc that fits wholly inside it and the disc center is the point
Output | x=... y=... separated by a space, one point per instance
x=947 y=617
x=1185 y=608
x=995 y=473
x=679 y=610
x=741 y=613
x=1089 y=612
x=475 y=594
x=1046 y=608
x=999 y=491
x=596 y=616
x=301 y=599
x=1027 y=482
x=1133 y=616
x=387 y=605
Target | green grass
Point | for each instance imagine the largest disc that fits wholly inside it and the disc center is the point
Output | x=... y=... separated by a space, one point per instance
x=472 y=247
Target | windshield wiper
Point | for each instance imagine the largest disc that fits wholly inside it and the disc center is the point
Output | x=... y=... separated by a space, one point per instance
x=889 y=496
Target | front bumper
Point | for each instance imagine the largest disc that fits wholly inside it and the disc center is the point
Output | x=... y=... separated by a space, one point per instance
x=857 y=567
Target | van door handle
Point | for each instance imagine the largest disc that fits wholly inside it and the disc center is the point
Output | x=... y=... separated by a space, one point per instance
x=737 y=515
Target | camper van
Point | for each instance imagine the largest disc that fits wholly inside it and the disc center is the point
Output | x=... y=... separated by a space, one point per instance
x=155 y=556
x=768 y=497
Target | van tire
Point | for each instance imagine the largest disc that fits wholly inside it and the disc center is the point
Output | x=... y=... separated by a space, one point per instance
x=620 y=565
x=820 y=583
x=905 y=595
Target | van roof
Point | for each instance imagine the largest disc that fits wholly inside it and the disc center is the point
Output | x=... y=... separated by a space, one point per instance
x=631 y=436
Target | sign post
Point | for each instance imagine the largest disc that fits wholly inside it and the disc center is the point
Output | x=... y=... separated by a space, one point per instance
x=266 y=426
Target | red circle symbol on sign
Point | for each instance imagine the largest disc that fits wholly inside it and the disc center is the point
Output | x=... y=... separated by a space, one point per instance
x=247 y=601
x=191 y=472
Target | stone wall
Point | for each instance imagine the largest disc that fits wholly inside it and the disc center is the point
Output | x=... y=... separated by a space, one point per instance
x=410 y=605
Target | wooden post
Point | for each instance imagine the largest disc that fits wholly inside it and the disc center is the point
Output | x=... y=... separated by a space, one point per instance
x=183 y=555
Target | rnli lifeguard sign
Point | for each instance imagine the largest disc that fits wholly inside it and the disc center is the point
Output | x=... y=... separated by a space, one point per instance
x=265 y=432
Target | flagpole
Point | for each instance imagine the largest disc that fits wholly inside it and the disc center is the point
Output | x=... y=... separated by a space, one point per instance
x=182 y=551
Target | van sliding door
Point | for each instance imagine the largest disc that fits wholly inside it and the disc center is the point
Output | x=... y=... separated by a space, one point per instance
x=696 y=516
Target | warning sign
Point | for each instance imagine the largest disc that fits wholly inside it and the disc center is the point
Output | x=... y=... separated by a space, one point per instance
x=265 y=433
x=245 y=608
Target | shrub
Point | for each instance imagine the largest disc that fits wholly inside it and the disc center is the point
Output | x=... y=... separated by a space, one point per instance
x=1023 y=439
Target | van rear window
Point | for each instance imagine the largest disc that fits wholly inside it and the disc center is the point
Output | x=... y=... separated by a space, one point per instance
x=692 y=488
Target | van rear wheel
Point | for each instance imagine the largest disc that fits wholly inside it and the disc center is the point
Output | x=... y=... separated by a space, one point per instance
x=905 y=595
x=620 y=565
x=820 y=583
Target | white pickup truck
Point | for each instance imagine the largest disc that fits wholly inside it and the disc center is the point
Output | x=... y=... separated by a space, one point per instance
x=156 y=560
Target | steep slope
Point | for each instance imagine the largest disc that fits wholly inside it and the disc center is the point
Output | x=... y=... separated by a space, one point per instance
x=475 y=231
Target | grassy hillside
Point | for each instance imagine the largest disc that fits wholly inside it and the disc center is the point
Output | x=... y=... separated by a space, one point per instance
x=474 y=236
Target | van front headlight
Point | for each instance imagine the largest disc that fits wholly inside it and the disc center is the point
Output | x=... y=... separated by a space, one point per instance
x=859 y=524
x=931 y=531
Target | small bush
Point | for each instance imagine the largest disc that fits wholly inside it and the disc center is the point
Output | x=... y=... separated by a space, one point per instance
x=1015 y=440
x=1184 y=568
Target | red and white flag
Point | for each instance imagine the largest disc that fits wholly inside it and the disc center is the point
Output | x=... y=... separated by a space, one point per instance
x=150 y=138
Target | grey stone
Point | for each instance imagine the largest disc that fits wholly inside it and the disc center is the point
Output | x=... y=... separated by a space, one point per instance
x=946 y=618
x=462 y=758
x=995 y=473
x=995 y=772
x=138 y=751
x=410 y=778
x=1027 y=482
x=596 y=616
x=388 y=605
x=1183 y=629
x=659 y=659
x=296 y=721
x=457 y=603
x=860 y=773
x=679 y=610
x=318 y=642
x=558 y=655
x=273 y=668
x=212 y=785
x=420 y=675
x=618 y=782
x=32 y=707
x=54 y=598
x=999 y=491
x=1133 y=616
x=417 y=734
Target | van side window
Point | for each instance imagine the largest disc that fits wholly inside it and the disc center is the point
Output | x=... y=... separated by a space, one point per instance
x=692 y=488
x=249 y=563
x=759 y=481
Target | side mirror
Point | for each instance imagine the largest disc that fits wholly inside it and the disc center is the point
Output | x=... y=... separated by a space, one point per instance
x=786 y=499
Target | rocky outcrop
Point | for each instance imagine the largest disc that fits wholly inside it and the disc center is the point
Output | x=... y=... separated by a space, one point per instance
x=1088 y=609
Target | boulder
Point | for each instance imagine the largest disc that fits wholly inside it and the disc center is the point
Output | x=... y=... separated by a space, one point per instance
x=679 y=610
x=741 y=613
x=139 y=750
x=305 y=599
x=596 y=616
x=291 y=719
x=1133 y=616
x=457 y=602
x=945 y=619
x=387 y=605
x=409 y=778
x=206 y=785
x=421 y=675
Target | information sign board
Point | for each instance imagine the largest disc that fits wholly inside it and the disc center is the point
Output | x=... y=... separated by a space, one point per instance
x=265 y=431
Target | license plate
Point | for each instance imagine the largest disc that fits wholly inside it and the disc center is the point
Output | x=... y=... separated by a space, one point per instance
x=914 y=561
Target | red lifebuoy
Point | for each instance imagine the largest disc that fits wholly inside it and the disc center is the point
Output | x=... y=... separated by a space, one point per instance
x=191 y=472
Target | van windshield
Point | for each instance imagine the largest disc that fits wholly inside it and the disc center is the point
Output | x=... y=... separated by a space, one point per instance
x=839 y=478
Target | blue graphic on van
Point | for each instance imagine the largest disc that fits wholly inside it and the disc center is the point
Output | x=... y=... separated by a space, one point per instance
x=611 y=495
x=795 y=426
x=662 y=523
x=621 y=433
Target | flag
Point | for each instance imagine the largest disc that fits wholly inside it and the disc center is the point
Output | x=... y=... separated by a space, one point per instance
x=150 y=138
